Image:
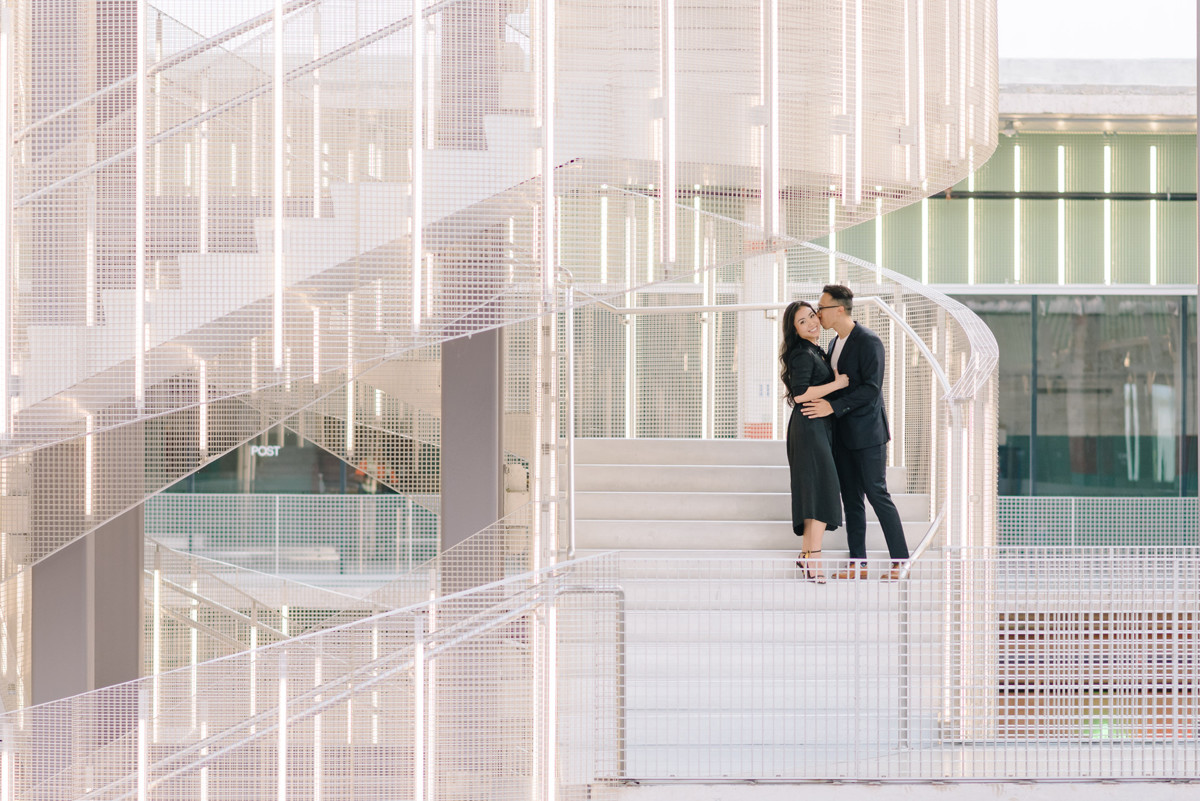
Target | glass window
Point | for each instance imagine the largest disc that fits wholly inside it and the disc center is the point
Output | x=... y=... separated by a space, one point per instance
x=282 y=462
x=1109 y=403
x=1010 y=320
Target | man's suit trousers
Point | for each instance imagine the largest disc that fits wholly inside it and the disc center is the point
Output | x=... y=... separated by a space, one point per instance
x=862 y=473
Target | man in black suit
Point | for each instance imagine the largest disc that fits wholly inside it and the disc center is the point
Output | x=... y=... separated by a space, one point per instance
x=860 y=431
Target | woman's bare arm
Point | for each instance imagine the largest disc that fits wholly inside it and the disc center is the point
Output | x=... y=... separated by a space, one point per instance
x=813 y=393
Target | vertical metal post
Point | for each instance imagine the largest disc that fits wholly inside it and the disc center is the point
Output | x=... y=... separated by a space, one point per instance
x=630 y=322
x=418 y=708
x=550 y=691
x=1033 y=394
x=900 y=380
x=891 y=382
x=770 y=99
x=853 y=192
x=431 y=709
x=90 y=288
x=158 y=76
x=277 y=193
x=139 y=236
x=545 y=485
x=570 y=403
x=281 y=787
x=417 y=168
x=202 y=244
x=408 y=529
x=1197 y=400
x=316 y=112
x=318 y=753
x=6 y=63
x=143 y=747
x=546 y=120
x=1181 y=471
x=156 y=632
x=276 y=532
x=667 y=171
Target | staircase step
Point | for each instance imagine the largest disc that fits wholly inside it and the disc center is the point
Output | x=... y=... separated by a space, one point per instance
x=810 y=613
x=877 y=723
x=674 y=450
x=719 y=534
x=712 y=506
x=697 y=477
x=680 y=451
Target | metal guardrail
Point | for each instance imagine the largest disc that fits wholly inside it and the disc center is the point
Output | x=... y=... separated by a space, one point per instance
x=624 y=667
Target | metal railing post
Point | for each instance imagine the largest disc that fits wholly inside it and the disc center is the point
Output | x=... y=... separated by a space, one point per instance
x=281 y=748
x=570 y=401
x=418 y=742
x=619 y=666
x=6 y=150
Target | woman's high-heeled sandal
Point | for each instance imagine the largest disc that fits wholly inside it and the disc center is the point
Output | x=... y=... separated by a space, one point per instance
x=809 y=572
x=816 y=574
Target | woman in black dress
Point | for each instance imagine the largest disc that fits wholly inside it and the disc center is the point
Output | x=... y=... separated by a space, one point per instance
x=816 y=499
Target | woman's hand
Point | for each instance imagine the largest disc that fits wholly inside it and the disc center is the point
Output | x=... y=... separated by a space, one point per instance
x=841 y=381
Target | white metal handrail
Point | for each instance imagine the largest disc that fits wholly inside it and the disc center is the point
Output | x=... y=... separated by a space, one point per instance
x=777 y=307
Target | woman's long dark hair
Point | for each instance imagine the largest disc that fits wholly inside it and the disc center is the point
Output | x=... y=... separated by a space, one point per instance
x=790 y=340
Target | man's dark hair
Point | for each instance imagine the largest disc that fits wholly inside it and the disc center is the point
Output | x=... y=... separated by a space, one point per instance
x=842 y=295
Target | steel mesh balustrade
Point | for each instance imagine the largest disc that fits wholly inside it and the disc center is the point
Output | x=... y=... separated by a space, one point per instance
x=197 y=609
x=620 y=667
x=453 y=693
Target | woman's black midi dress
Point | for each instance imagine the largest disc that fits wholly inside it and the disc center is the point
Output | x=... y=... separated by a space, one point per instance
x=815 y=491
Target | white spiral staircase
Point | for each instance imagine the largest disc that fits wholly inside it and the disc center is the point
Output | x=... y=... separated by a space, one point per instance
x=597 y=111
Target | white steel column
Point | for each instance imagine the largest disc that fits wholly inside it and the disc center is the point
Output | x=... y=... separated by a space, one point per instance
x=139 y=236
x=282 y=746
x=158 y=55
x=630 y=322
x=667 y=172
x=316 y=114
x=6 y=23
x=855 y=184
x=418 y=741
x=545 y=485
x=90 y=290
x=770 y=92
x=570 y=404
x=350 y=415
x=921 y=151
x=546 y=121
x=550 y=694
x=417 y=169
x=277 y=194
x=202 y=245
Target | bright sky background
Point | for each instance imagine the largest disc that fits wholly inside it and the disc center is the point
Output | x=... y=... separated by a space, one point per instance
x=1097 y=28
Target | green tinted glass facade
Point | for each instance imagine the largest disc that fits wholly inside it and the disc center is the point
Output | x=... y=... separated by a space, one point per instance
x=1097 y=393
x=1071 y=208
x=1097 y=390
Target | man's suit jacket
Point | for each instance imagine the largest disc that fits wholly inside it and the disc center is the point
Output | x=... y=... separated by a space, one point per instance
x=861 y=421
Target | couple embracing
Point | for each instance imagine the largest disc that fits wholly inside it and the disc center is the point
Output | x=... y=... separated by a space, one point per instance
x=838 y=433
